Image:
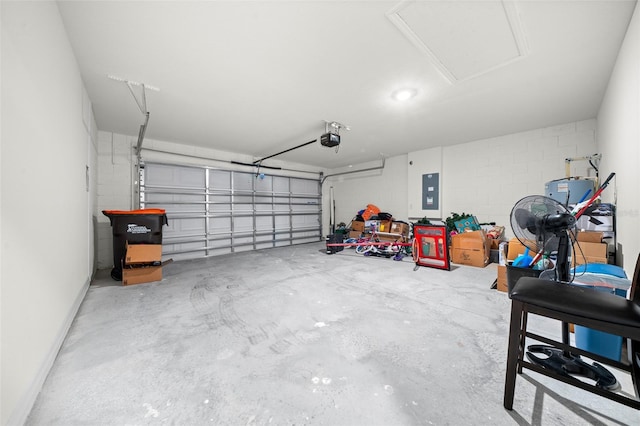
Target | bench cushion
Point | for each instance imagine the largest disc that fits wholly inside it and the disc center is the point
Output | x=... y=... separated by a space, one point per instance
x=577 y=300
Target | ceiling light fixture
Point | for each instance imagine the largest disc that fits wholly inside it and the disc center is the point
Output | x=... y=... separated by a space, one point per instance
x=404 y=94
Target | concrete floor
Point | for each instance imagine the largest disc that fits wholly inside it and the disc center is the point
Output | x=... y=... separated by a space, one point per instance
x=293 y=336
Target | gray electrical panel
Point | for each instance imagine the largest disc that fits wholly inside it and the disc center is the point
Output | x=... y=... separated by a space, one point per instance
x=431 y=191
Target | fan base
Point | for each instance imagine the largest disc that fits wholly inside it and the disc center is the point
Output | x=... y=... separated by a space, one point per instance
x=572 y=365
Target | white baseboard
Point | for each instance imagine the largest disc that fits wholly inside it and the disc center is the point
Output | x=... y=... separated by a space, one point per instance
x=25 y=403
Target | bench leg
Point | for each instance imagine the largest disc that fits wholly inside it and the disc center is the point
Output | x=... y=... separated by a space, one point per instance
x=523 y=337
x=635 y=366
x=514 y=352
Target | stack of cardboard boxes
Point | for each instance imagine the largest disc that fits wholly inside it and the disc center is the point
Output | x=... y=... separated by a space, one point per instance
x=386 y=230
x=389 y=230
x=357 y=229
x=589 y=248
x=142 y=263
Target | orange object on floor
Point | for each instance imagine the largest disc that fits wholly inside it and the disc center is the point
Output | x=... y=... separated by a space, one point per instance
x=371 y=210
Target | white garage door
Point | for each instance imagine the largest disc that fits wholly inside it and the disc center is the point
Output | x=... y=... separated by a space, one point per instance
x=213 y=211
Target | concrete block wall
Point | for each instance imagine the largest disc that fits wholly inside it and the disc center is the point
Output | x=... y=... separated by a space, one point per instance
x=115 y=188
x=484 y=177
x=487 y=177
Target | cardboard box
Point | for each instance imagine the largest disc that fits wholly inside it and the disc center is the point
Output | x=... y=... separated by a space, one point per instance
x=388 y=236
x=141 y=254
x=392 y=231
x=516 y=248
x=355 y=234
x=384 y=226
x=142 y=263
x=141 y=274
x=357 y=226
x=585 y=252
x=590 y=236
x=400 y=228
x=470 y=248
x=502 y=278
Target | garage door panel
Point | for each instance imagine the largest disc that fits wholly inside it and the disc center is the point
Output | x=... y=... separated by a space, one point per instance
x=243 y=224
x=219 y=179
x=304 y=186
x=168 y=175
x=220 y=224
x=264 y=184
x=304 y=221
x=216 y=211
x=264 y=223
x=242 y=181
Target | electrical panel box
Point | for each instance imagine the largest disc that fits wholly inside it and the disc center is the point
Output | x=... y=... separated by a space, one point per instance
x=431 y=191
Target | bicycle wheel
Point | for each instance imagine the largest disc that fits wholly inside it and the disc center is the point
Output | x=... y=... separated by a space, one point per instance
x=362 y=249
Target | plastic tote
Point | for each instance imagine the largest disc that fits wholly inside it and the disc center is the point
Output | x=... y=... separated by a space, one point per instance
x=514 y=273
x=142 y=226
x=605 y=344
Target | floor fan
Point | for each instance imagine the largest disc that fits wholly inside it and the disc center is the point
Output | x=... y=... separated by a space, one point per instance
x=543 y=225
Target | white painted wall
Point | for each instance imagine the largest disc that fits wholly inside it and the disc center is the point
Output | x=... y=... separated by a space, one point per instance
x=420 y=163
x=115 y=183
x=385 y=188
x=46 y=147
x=484 y=177
x=619 y=139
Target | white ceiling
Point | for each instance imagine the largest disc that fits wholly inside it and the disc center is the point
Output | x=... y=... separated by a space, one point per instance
x=259 y=77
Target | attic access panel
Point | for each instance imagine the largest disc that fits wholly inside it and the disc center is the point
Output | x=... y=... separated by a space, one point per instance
x=462 y=39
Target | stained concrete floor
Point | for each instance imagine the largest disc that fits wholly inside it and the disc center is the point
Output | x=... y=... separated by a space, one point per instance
x=293 y=336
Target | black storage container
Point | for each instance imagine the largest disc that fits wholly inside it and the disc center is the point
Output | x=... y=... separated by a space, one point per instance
x=334 y=239
x=142 y=226
x=514 y=273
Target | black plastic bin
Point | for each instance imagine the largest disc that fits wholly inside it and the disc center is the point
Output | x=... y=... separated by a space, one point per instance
x=142 y=226
x=514 y=273
x=334 y=239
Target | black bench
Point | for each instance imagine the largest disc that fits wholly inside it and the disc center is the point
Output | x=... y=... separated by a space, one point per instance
x=576 y=305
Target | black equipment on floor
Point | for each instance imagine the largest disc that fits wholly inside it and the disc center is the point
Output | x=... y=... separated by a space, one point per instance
x=334 y=239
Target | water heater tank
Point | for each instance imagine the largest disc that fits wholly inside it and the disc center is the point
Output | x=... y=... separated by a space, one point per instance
x=570 y=191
